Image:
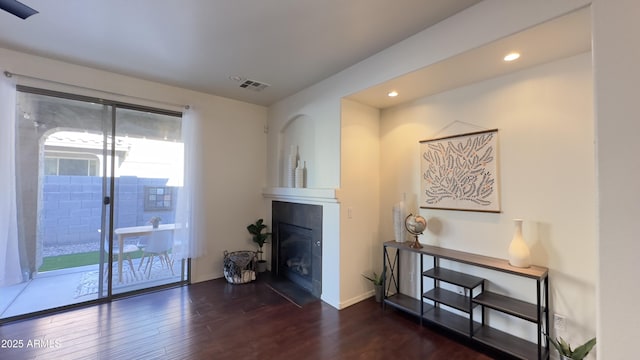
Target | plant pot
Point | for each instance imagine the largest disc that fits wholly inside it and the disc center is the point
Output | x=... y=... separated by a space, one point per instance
x=261 y=266
x=379 y=292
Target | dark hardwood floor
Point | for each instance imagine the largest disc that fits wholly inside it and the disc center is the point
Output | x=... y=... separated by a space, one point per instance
x=215 y=320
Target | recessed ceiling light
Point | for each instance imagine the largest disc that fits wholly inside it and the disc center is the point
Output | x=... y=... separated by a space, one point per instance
x=236 y=78
x=392 y=93
x=512 y=56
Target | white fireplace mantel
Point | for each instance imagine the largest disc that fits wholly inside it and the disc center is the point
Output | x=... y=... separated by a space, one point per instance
x=305 y=195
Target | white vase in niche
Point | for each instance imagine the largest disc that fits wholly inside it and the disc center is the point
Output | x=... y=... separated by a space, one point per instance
x=304 y=174
x=299 y=175
x=291 y=166
x=519 y=255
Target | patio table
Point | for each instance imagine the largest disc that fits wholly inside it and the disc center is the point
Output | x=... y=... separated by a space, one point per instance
x=134 y=231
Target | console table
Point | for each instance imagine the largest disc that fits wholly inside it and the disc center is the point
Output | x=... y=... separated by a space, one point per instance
x=444 y=307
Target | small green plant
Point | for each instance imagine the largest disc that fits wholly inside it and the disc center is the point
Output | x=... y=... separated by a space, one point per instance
x=564 y=349
x=155 y=221
x=376 y=280
x=259 y=237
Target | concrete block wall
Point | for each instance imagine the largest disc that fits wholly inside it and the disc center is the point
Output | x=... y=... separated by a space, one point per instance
x=72 y=207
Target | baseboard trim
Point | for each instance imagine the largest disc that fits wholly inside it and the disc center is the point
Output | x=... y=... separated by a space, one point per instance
x=356 y=299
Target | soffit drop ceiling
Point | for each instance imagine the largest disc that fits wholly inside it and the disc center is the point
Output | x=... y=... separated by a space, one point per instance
x=555 y=39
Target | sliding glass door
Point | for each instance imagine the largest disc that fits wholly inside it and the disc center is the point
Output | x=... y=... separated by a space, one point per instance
x=148 y=178
x=94 y=179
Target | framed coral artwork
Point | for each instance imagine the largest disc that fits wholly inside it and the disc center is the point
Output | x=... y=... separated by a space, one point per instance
x=460 y=172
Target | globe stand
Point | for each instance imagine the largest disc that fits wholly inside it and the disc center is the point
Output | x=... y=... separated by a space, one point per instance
x=416 y=244
x=415 y=225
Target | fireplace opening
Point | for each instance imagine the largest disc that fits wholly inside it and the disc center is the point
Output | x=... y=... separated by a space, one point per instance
x=294 y=261
x=297 y=245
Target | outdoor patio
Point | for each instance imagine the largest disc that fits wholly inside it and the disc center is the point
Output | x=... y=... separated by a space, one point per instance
x=56 y=288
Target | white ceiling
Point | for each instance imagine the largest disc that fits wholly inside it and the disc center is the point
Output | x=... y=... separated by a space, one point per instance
x=199 y=44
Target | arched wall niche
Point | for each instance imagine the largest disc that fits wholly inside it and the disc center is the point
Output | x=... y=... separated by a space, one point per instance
x=299 y=133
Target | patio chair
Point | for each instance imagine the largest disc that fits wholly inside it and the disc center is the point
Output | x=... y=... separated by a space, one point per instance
x=159 y=244
x=126 y=253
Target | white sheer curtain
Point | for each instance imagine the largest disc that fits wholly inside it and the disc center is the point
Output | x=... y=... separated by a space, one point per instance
x=10 y=272
x=187 y=240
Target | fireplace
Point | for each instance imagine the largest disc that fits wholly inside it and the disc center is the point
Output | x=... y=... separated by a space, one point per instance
x=297 y=244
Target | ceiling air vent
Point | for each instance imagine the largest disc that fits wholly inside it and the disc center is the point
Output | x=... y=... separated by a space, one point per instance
x=254 y=85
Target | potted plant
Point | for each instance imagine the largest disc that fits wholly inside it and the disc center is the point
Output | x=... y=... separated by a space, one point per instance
x=260 y=238
x=155 y=221
x=565 y=351
x=378 y=284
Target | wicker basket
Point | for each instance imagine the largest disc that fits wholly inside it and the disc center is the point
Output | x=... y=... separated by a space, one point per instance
x=239 y=266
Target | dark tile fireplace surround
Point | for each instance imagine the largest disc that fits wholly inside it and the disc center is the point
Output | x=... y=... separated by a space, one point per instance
x=297 y=244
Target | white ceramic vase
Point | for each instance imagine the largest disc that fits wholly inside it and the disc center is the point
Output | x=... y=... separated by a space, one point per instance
x=299 y=175
x=519 y=255
x=291 y=166
x=399 y=214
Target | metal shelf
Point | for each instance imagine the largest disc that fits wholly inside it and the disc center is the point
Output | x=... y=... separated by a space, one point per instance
x=475 y=329
x=505 y=304
x=449 y=298
x=405 y=303
x=449 y=320
x=508 y=343
x=454 y=277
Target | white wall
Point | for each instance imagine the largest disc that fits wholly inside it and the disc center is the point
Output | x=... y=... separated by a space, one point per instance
x=490 y=20
x=544 y=117
x=298 y=135
x=232 y=164
x=481 y=24
x=616 y=78
x=312 y=126
x=616 y=58
x=361 y=245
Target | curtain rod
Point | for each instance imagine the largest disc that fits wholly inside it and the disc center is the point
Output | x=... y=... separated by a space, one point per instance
x=12 y=74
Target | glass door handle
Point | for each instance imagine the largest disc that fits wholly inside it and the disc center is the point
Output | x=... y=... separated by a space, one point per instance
x=106 y=200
